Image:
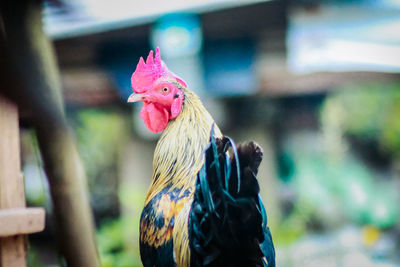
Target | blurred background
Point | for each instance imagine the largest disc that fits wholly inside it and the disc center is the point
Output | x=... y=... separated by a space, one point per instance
x=315 y=82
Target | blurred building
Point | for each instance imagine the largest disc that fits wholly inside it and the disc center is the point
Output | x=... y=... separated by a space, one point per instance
x=277 y=68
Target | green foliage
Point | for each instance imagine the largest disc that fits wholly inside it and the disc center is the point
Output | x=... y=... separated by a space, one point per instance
x=118 y=239
x=370 y=111
x=101 y=134
x=391 y=129
x=33 y=259
x=295 y=225
x=333 y=192
x=111 y=240
x=36 y=187
x=384 y=209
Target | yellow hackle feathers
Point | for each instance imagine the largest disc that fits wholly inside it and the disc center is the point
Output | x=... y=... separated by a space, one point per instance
x=177 y=157
x=177 y=160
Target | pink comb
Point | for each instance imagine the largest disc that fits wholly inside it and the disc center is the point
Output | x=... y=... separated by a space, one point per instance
x=147 y=73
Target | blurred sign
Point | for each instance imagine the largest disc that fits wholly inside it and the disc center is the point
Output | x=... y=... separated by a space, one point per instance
x=345 y=37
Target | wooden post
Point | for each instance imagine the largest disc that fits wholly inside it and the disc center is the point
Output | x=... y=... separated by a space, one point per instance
x=31 y=79
x=15 y=220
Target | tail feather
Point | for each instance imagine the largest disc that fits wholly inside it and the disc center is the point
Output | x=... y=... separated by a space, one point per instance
x=228 y=222
x=268 y=249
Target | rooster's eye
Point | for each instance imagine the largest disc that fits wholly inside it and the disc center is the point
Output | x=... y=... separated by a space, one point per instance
x=165 y=89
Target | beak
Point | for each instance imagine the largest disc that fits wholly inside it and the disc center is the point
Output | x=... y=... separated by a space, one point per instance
x=135 y=98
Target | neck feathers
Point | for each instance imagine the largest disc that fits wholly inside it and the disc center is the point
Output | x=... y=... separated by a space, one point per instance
x=178 y=155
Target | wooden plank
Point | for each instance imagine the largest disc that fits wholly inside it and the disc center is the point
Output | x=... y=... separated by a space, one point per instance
x=21 y=221
x=12 y=194
x=13 y=251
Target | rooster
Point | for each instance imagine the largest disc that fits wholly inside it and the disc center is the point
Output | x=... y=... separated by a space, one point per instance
x=203 y=206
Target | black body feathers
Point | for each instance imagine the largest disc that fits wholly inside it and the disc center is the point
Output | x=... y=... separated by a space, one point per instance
x=228 y=222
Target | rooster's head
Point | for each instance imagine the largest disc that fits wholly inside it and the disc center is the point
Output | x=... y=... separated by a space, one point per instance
x=158 y=89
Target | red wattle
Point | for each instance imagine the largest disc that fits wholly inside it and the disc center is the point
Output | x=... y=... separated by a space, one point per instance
x=155 y=117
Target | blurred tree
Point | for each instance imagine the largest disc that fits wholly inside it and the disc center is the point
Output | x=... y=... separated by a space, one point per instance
x=370 y=115
x=370 y=112
x=101 y=133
